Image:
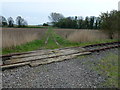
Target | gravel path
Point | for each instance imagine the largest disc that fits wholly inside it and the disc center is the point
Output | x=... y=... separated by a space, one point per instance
x=67 y=74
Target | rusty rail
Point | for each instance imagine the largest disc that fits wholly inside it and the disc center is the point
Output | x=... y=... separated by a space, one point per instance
x=103 y=46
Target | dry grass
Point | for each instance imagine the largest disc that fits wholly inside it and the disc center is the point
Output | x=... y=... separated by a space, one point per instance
x=65 y=32
x=16 y=36
x=10 y=37
x=87 y=35
x=81 y=35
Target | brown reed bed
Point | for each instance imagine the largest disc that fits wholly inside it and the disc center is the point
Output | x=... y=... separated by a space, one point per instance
x=12 y=37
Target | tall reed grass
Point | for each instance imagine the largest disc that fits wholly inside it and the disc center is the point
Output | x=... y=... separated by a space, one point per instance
x=65 y=32
x=87 y=35
x=12 y=37
x=82 y=35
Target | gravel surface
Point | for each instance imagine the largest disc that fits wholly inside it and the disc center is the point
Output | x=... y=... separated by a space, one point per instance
x=72 y=73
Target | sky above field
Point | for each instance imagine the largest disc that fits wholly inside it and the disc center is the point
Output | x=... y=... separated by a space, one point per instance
x=37 y=11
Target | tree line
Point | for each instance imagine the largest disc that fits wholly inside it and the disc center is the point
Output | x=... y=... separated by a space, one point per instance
x=108 y=22
x=76 y=22
x=9 y=22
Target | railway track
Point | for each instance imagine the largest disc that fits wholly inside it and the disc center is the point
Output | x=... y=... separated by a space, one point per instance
x=38 y=57
x=46 y=41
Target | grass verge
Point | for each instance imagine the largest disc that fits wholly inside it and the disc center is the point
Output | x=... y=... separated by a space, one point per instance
x=106 y=67
x=34 y=45
x=109 y=66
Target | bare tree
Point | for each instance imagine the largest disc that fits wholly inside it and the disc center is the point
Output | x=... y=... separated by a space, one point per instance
x=21 y=22
x=24 y=23
x=55 y=17
x=3 y=21
x=10 y=22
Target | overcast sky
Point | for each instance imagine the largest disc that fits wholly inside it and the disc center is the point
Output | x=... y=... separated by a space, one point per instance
x=37 y=11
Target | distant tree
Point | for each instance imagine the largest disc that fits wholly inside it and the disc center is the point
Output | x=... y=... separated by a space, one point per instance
x=45 y=24
x=76 y=22
x=21 y=22
x=58 y=20
x=86 y=23
x=69 y=22
x=3 y=21
x=96 y=23
x=80 y=22
x=55 y=17
x=92 y=18
x=10 y=22
x=99 y=23
x=24 y=23
x=76 y=18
